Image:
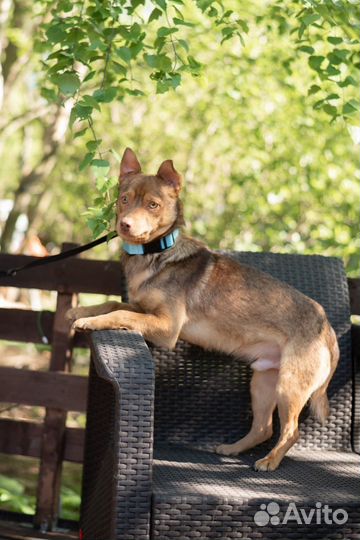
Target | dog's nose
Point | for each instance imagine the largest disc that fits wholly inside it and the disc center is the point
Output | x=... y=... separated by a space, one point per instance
x=125 y=225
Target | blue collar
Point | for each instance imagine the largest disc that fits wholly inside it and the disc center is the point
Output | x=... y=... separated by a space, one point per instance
x=156 y=246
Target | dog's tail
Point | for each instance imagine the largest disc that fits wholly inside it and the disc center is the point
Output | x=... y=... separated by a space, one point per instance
x=319 y=403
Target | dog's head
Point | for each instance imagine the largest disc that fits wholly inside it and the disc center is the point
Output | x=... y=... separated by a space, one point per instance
x=148 y=205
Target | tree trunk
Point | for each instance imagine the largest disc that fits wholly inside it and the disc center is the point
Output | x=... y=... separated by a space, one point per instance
x=29 y=183
x=5 y=11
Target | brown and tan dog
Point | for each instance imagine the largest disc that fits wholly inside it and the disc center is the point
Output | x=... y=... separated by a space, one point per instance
x=187 y=291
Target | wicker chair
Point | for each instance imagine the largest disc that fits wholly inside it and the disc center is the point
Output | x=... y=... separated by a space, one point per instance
x=154 y=417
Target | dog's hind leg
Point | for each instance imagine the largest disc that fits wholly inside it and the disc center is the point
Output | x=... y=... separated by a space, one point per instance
x=263 y=402
x=299 y=377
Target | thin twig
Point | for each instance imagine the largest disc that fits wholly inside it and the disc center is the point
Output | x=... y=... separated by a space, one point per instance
x=176 y=56
x=91 y=126
x=107 y=58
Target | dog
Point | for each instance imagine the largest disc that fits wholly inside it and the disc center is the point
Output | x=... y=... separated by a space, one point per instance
x=180 y=289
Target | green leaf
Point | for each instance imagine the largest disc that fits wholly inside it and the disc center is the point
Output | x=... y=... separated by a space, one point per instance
x=65 y=5
x=227 y=32
x=175 y=80
x=56 y=33
x=165 y=31
x=80 y=133
x=134 y=92
x=80 y=113
x=162 y=86
x=134 y=31
x=158 y=61
x=135 y=49
x=333 y=59
x=89 y=101
x=347 y=82
x=194 y=65
x=318 y=104
x=106 y=95
x=124 y=53
x=315 y=62
x=334 y=40
x=68 y=82
x=330 y=109
x=313 y=89
x=161 y=3
x=305 y=48
x=49 y=94
x=332 y=71
x=180 y=15
x=184 y=44
x=341 y=53
x=151 y=60
x=351 y=107
x=93 y=145
x=90 y=76
x=181 y=22
x=119 y=68
x=100 y=167
x=310 y=19
x=330 y=97
x=86 y=161
x=155 y=14
x=243 y=25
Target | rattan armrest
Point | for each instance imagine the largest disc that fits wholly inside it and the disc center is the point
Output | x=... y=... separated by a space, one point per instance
x=119 y=438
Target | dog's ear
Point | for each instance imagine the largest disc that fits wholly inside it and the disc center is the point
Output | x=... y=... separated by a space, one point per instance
x=129 y=163
x=168 y=173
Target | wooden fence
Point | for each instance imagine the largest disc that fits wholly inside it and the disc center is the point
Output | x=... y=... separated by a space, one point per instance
x=57 y=389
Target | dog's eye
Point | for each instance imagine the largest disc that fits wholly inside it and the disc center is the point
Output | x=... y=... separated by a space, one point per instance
x=124 y=199
x=153 y=204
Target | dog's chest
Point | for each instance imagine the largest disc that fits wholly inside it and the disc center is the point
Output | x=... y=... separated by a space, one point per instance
x=135 y=280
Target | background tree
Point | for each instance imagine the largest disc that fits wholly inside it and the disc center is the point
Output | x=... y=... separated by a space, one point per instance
x=256 y=103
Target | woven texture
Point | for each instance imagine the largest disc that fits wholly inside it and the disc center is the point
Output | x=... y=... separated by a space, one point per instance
x=202 y=495
x=356 y=390
x=119 y=439
x=202 y=398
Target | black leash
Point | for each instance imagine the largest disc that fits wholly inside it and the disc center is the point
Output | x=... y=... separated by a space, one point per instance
x=54 y=258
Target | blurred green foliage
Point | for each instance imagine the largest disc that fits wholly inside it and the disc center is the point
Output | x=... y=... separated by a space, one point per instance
x=256 y=103
x=13 y=497
x=17 y=493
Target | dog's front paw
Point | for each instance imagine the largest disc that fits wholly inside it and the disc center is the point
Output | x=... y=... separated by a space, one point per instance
x=86 y=324
x=227 y=450
x=266 y=464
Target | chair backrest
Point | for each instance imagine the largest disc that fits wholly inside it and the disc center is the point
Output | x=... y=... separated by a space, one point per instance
x=202 y=397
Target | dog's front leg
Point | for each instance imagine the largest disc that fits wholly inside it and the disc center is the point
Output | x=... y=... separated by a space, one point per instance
x=92 y=311
x=161 y=328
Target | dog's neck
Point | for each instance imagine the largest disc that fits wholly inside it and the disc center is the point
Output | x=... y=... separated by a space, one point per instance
x=138 y=269
x=155 y=246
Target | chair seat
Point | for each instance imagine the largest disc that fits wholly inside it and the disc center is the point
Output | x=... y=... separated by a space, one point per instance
x=199 y=494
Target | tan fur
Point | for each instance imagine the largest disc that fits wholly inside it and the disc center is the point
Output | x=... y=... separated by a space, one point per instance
x=208 y=299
